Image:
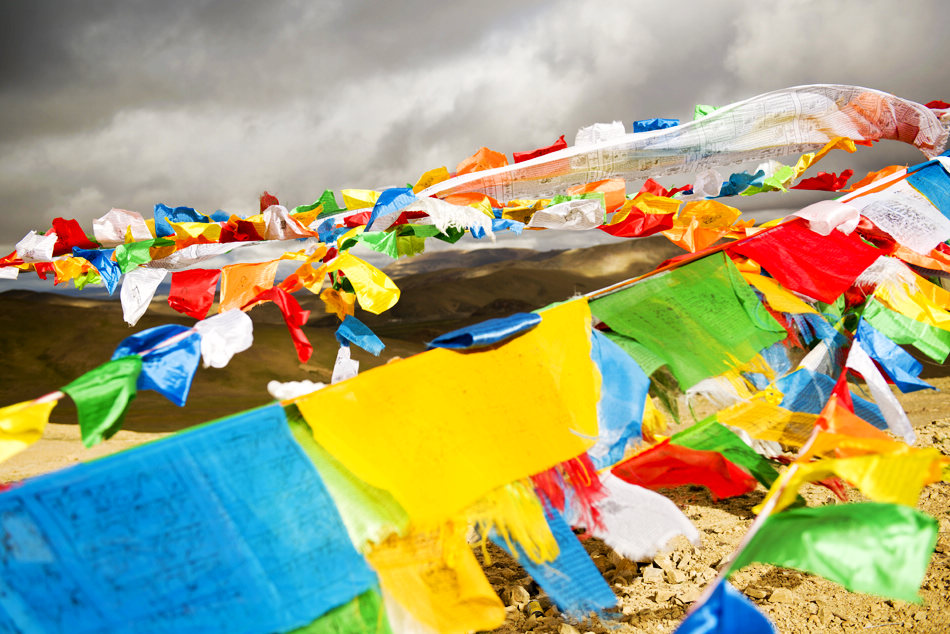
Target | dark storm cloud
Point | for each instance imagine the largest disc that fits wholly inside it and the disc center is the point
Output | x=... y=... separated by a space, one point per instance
x=207 y=103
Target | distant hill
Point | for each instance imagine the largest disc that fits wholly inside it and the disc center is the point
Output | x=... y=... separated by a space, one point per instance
x=47 y=339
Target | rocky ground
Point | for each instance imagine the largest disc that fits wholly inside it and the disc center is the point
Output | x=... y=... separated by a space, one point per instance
x=655 y=595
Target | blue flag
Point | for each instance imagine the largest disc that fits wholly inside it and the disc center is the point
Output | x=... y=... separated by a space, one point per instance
x=726 y=611
x=167 y=369
x=165 y=214
x=352 y=330
x=223 y=528
x=486 y=333
x=899 y=365
x=102 y=260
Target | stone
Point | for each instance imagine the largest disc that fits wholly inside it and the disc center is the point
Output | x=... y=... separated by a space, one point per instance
x=567 y=628
x=685 y=559
x=782 y=595
x=690 y=595
x=517 y=596
x=675 y=576
x=614 y=559
x=756 y=593
x=663 y=562
x=812 y=608
x=662 y=596
x=652 y=575
x=920 y=616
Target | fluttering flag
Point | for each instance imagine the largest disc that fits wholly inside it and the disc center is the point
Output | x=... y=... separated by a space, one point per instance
x=294 y=316
x=880 y=549
x=701 y=318
x=138 y=289
x=636 y=522
x=192 y=291
x=34 y=247
x=726 y=611
x=766 y=421
x=165 y=215
x=647 y=125
x=822 y=267
x=364 y=614
x=897 y=420
x=352 y=330
x=375 y=292
x=932 y=341
x=102 y=260
x=102 y=396
x=132 y=255
x=487 y=333
x=110 y=230
x=390 y=201
x=69 y=234
x=437 y=579
x=902 y=368
x=22 y=424
x=896 y=477
x=622 y=397
x=220 y=528
x=241 y=282
x=572 y=581
x=223 y=336
x=666 y=466
x=710 y=435
x=519 y=157
x=483 y=159
x=807 y=391
x=460 y=449
x=170 y=356
x=825 y=181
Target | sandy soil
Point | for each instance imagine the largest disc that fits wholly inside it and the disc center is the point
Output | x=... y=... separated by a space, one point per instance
x=796 y=602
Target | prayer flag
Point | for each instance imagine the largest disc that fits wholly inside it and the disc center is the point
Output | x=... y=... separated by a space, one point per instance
x=352 y=330
x=138 y=289
x=170 y=356
x=22 y=424
x=441 y=449
x=241 y=282
x=726 y=611
x=224 y=335
x=710 y=435
x=822 y=267
x=294 y=316
x=666 y=466
x=102 y=396
x=870 y=547
x=702 y=318
x=192 y=291
x=487 y=333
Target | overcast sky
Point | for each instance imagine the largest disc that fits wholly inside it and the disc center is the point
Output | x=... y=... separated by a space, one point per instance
x=208 y=103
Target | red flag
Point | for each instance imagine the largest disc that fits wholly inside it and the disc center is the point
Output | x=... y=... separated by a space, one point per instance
x=825 y=181
x=69 y=234
x=267 y=200
x=639 y=224
x=665 y=466
x=192 y=291
x=937 y=104
x=560 y=144
x=294 y=316
x=822 y=267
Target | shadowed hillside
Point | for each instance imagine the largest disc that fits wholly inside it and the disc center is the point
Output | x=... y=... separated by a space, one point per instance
x=48 y=339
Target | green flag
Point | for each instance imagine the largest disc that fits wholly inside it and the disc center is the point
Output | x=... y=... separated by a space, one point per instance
x=647 y=361
x=710 y=435
x=701 y=319
x=363 y=614
x=870 y=547
x=102 y=396
x=933 y=342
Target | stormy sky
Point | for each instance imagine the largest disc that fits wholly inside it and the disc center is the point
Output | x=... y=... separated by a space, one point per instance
x=207 y=103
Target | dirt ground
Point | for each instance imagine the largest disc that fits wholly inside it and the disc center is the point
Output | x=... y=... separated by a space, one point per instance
x=657 y=602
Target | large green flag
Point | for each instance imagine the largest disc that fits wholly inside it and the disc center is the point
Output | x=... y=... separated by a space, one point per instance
x=702 y=318
x=932 y=341
x=102 y=396
x=710 y=435
x=870 y=547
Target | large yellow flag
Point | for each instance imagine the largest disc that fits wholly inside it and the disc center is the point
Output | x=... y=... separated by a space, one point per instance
x=441 y=429
x=21 y=425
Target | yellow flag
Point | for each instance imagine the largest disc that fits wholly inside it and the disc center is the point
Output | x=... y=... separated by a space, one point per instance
x=437 y=579
x=241 y=282
x=191 y=231
x=339 y=302
x=769 y=422
x=374 y=290
x=21 y=425
x=913 y=303
x=430 y=178
x=69 y=268
x=359 y=198
x=514 y=512
x=895 y=478
x=441 y=429
x=780 y=299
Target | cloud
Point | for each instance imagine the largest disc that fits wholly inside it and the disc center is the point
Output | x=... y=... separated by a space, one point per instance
x=207 y=104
